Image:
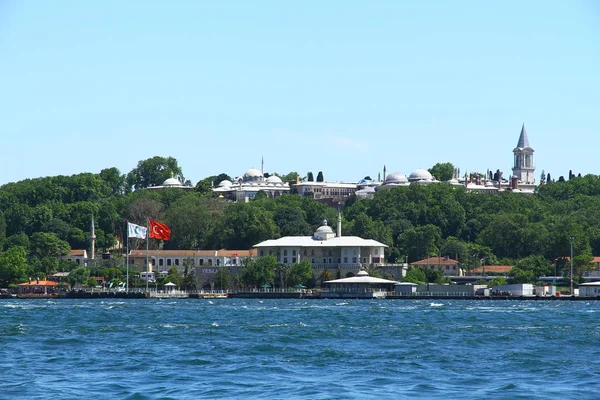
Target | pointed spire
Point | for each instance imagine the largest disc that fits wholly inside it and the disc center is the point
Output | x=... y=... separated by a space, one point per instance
x=523 y=139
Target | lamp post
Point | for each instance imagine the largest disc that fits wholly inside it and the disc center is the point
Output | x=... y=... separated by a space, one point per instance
x=571 y=240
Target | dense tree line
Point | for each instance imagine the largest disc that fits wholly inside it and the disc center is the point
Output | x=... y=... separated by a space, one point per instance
x=42 y=219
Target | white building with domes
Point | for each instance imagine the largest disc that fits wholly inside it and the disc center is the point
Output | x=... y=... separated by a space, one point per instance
x=249 y=185
x=171 y=183
x=326 y=250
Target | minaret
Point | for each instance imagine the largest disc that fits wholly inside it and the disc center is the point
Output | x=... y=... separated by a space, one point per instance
x=339 y=222
x=93 y=239
x=262 y=166
x=384 y=174
x=524 y=168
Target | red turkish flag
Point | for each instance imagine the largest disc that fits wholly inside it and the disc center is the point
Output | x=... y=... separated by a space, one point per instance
x=159 y=230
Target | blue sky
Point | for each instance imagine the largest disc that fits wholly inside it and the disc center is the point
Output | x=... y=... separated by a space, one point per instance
x=342 y=87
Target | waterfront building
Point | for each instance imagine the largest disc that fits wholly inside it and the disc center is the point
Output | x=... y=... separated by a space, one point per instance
x=37 y=289
x=516 y=289
x=589 y=289
x=204 y=264
x=326 y=251
x=360 y=286
x=446 y=265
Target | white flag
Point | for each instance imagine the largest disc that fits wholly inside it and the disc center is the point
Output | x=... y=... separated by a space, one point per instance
x=136 y=231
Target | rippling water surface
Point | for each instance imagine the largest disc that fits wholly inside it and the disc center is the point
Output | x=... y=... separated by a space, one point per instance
x=315 y=349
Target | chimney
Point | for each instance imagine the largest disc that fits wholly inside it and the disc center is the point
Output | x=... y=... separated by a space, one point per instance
x=515 y=182
x=339 y=222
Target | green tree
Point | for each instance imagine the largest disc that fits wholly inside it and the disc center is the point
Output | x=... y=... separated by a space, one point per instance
x=48 y=244
x=153 y=172
x=415 y=275
x=13 y=266
x=260 y=271
x=320 y=176
x=442 y=171
x=299 y=273
x=291 y=221
x=222 y=279
x=19 y=239
x=243 y=225
x=204 y=187
x=309 y=177
x=420 y=242
x=79 y=276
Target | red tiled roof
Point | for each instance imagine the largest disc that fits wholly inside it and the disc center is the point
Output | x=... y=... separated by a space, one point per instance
x=39 y=283
x=435 y=261
x=76 y=253
x=498 y=269
x=193 y=253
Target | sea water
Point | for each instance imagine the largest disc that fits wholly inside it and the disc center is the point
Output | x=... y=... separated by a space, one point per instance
x=298 y=349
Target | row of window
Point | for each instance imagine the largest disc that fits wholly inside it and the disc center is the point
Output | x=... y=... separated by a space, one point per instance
x=324 y=252
x=176 y=262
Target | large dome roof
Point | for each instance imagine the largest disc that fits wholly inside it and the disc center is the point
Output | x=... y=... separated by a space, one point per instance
x=324 y=228
x=252 y=175
x=225 y=183
x=274 y=179
x=172 y=182
x=395 y=177
x=420 y=175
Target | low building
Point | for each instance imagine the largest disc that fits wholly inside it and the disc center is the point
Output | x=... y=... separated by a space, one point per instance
x=446 y=265
x=80 y=257
x=38 y=289
x=491 y=270
x=516 y=289
x=203 y=264
x=589 y=289
x=360 y=286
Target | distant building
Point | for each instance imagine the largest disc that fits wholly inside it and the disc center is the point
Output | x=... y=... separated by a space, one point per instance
x=492 y=270
x=524 y=168
x=171 y=183
x=203 y=264
x=78 y=256
x=249 y=185
x=446 y=265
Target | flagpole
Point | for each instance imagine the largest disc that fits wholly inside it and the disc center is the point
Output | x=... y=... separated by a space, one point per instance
x=127 y=260
x=147 y=240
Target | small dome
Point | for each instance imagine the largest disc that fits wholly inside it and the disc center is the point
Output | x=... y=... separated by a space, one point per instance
x=395 y=177
x=420 y=175
x=225 y=183
x=274 y=179
x=324 y=227
x=172 y=182
x=362 y=273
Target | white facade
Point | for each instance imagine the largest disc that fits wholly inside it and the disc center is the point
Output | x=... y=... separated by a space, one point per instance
x=589 y=289
x=325 y=249
x=517 y=289
x=247 y=186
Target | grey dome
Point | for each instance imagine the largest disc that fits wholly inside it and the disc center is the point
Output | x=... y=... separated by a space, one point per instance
x=395 y=177
x=420 y=175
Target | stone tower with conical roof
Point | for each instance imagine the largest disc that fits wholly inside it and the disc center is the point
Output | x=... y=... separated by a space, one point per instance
x=524 y=168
